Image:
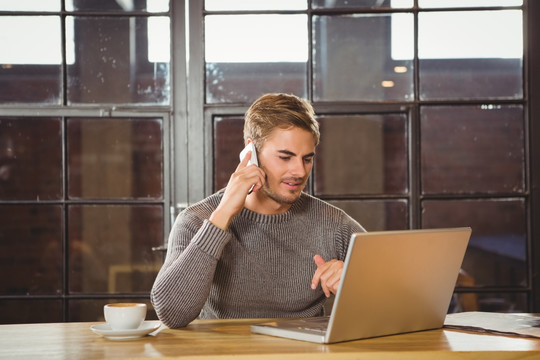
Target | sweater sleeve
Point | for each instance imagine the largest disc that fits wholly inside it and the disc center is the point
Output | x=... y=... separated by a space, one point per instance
x=348 y=227
x=184 y=281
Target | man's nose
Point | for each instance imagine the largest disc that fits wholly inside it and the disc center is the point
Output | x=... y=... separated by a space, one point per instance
x=298 y=168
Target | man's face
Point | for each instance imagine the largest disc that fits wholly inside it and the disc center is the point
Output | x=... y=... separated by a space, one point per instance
x=287 y=159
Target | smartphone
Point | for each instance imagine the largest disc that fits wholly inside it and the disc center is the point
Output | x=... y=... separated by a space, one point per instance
x=253 y=160
x=250 y=147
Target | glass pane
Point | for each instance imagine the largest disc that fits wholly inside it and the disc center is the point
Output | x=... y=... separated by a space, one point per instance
x=228 y=142
x=497 y=252
x=214 y=5
x=29 y=5
x=31 y=249
x=467 y=3
x=92 y=310
x=92 y=5
x=115 y=158
x=369 y=152
x=30 y=59
x=26 y=311
x=377 y=215
x=114 y=254
x=490 y=302
x=112 y=60
x=362 y=3
x=363 y=57
x=242 y=65
x=30 y=159
x=497 y=302
x=469 y=55
x=458 y=153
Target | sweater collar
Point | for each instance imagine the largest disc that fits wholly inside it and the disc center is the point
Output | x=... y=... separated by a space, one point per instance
x=276 y=218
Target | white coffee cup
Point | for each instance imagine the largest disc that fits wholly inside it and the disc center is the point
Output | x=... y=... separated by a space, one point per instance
x=124 y=316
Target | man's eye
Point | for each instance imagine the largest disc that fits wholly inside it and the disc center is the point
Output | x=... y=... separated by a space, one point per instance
x=308 y=160
x=285 y=157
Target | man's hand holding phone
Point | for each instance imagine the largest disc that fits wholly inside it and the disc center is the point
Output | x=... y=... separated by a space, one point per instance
x=250 y=149
x=243 y=181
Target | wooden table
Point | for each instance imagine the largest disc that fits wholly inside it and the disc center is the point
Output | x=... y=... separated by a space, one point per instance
x=232 y=339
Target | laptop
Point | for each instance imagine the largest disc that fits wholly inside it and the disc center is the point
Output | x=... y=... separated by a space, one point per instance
x=393 y=282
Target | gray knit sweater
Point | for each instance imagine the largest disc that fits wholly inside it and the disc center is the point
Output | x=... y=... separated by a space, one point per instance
x=261 y=267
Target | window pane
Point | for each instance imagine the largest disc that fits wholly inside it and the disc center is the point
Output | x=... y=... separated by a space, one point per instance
x=361 y=57
x=269 y=57
x=497 y=252
x=92 y=5
x=458 y=152
x=467 y=3
x=30 y=249
x=30 y=59
x=361 y=3
x=244 y=83
x=228 y=142
x=30 y=159
x=30 y=5
x=377 y=215
x=112 y=60
x=494 y=302
x=114 y=255
x=469 y=55
x=369 y=152
x=92 y=310
x=115 y=158
x=214 y=5
x=28 y=311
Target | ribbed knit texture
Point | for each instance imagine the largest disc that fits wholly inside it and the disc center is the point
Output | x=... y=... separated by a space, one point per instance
x=261 y=267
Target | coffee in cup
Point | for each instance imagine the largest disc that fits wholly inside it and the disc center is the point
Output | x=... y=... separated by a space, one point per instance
x=124 y=316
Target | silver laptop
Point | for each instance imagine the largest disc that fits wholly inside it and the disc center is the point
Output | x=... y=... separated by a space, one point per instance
x=393 y=282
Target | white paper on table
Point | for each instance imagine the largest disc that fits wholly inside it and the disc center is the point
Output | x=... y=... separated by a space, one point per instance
x=501 y=323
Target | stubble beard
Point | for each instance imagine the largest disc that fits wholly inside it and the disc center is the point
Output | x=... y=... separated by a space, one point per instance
x=281 y=199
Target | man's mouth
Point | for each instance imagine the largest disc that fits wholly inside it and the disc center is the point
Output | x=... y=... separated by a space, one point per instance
x=293 y=184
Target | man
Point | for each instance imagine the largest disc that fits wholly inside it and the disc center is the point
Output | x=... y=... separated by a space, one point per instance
x=275 y=252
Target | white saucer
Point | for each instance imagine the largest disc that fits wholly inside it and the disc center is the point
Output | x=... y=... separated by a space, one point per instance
x=105 y=330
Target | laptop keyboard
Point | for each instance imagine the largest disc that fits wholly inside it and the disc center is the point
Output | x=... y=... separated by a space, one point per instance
x=318 y=324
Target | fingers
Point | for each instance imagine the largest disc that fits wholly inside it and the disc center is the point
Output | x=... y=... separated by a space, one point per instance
x=253 y=176
x=328 y=275
x=332 y=282
x=319 y=261
x=244 y=161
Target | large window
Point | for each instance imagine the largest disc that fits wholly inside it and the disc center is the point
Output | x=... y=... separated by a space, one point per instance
x=114 y=115
x=85 y=95
x=423 y=118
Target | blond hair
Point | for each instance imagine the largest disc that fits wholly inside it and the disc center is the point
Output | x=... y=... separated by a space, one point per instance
x=282 y=111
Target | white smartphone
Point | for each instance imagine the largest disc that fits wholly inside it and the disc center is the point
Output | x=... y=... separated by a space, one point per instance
x=250 y=147
x=253 y=160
